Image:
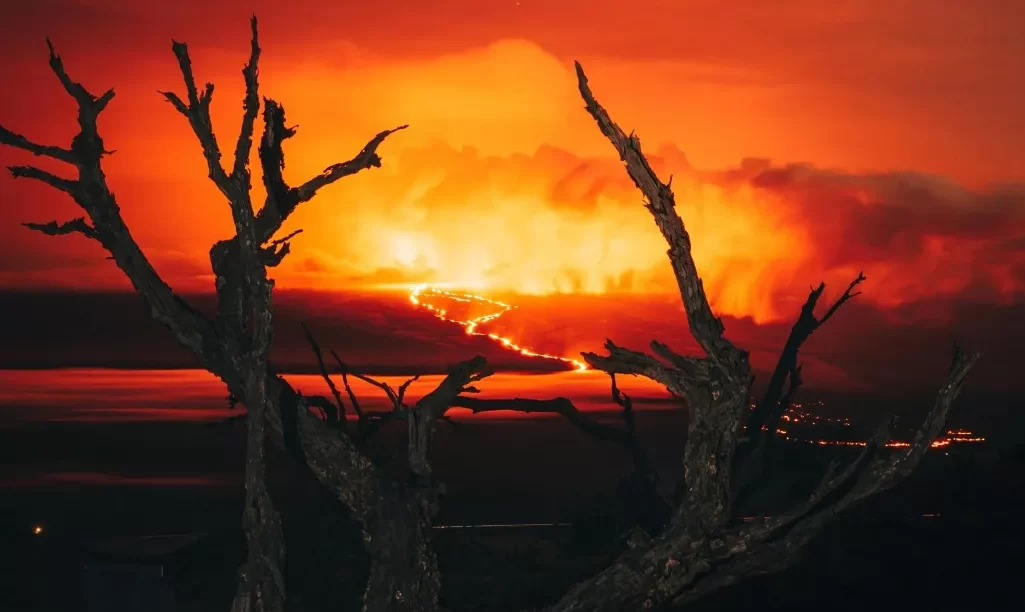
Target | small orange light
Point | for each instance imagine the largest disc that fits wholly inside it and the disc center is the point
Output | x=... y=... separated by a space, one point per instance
x=37 y=530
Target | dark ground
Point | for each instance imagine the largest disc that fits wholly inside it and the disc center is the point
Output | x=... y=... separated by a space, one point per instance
x=886 y=555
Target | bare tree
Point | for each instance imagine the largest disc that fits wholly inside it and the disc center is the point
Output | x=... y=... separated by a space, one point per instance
x=700 y=548
x=234 y=344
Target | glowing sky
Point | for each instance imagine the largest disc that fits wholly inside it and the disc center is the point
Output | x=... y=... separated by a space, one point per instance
x=893 y=128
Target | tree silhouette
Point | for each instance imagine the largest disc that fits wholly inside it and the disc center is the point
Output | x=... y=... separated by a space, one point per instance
x=695 y=547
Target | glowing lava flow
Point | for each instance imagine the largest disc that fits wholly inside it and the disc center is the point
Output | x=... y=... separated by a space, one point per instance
x=471 y=325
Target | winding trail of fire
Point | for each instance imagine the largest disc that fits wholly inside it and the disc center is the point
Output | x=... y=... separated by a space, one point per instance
x=418 y=293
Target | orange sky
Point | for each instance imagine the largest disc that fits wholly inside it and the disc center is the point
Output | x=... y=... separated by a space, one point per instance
x=503 y=182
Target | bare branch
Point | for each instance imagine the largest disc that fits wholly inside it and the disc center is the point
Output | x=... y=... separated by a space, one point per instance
x=282 y=199
x=92 y=195
x=402 y=388
x=719 y=397
x=196 y=109
x=764 y=419
x=866 y=477
x=352 y=398
x=66 y=185
x=366 y=158
x=86 y=101
x=393 y=396
x=272 y=254
x=9 y=138
x=251 y=106
x=559 y=406
x=847 y=295
x=795 y=383
x=624 y=401
x=338 y=418
x=624 y=361
x=890 y=473
x=286 y=238
x=693 y=369
x=79 y=226
x=660 y=202
x=176 y=102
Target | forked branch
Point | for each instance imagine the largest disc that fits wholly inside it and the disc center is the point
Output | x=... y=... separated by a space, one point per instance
x=706 y=328
x=336 y=416
x=282 y=198
x=90 y=192
x=9 y=138
x=79 y=225
x=775 y=543
x=680 y=566
x=233 y=348
x=715 y=387
x=775 y=401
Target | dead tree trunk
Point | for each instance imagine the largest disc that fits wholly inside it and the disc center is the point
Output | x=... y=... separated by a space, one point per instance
x=404 y=572
x=397 y=519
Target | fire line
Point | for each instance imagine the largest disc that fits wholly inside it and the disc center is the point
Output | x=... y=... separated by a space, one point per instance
x=470 y=326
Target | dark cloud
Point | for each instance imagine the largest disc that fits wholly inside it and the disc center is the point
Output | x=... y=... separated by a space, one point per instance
x=945 y=239
x=379 y=331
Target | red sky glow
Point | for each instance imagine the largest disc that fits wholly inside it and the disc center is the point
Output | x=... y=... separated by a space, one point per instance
x=807 y=141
